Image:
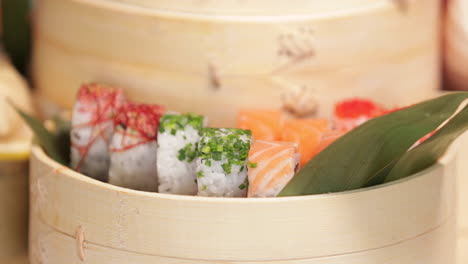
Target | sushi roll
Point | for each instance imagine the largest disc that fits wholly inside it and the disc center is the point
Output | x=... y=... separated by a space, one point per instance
x=271 y=166
x=328 y=138
x=307 y=134
x=133 y=147
x=354 y=112
x=92 y=128
x=221 y=162
x=178 y=138
x=264 y=124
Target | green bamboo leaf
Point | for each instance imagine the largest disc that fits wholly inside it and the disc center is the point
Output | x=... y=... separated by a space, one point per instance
x=44 y=137
x=380 y=176
x=357 y=157
x=62 y=137
x=426 y=154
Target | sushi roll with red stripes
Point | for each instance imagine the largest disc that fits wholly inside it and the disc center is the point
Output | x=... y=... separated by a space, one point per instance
x=134 y=146
x=271 y=166
x=354 y=112
x=221 y=162
x=178 y=138
x=92 y=129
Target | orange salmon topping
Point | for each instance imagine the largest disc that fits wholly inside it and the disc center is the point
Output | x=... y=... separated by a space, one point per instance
x=306 y=133
x=264 y=124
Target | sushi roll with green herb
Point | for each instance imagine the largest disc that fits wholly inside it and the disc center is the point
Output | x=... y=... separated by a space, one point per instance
x=133 y=147
x=178 y=138
x=92 y=129
x=221 y=162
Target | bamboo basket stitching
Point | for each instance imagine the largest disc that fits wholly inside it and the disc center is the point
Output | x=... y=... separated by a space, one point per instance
x=39 y=250
x=295 y=47
x=299 y=100
x=123 y=211
x=39 y=190
x=213 y=77
x=80 y=243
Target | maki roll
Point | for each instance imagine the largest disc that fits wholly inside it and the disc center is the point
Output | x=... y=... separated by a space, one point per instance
x=177 y=148
x=221 y=162
x=92 y=129
x=133 y=147
x=354 y=112
x=264 y=124
x=306 y=133
x=271 y=166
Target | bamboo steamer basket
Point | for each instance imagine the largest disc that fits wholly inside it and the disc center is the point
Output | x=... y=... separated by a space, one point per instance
x=214 y=57
x=456 y=44
x=75 y=219
x=462 y=202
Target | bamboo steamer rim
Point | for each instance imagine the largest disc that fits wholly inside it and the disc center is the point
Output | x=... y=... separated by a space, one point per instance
x=118 y=218
x=165 y=10
x=43 y=157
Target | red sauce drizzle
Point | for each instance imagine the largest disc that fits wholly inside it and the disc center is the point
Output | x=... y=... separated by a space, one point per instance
x=103 y=101
x=143 y=119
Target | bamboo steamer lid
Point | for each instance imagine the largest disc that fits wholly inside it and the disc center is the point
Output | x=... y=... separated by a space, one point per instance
x=76 y=219
x=456 y=44
x=215 y=57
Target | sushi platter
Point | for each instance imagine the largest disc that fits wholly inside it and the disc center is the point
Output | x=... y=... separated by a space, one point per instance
x=240 y=132
x=138 y=147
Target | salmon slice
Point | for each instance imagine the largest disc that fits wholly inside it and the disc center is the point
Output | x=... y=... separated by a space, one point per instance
x=307 y=133
x=272 y=164
x=328 y=137
x=264 y=124
x=354 y=112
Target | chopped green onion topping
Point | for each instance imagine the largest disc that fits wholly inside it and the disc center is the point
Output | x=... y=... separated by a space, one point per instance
x=226 y=167
x=203 y=187
x=252 y=165
x=174 y=122
x=200 y=174
x=229 y=145
x=245 y=184
x=188 y=153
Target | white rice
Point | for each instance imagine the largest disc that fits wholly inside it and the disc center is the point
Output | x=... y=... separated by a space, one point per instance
x=134 y=168
x=215 y=182
x=95 y=162
x=176 y=176
x=213 y=179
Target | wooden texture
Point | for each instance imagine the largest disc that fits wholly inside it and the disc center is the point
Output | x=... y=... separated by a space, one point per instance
x=456 y=44
x=214 y=57
x=462 y=201
x=75 y=218
x=13 y=208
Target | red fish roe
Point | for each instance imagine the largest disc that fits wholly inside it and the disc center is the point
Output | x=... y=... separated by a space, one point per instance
x=142 y=118
x=356 y=107
x=353 y=112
